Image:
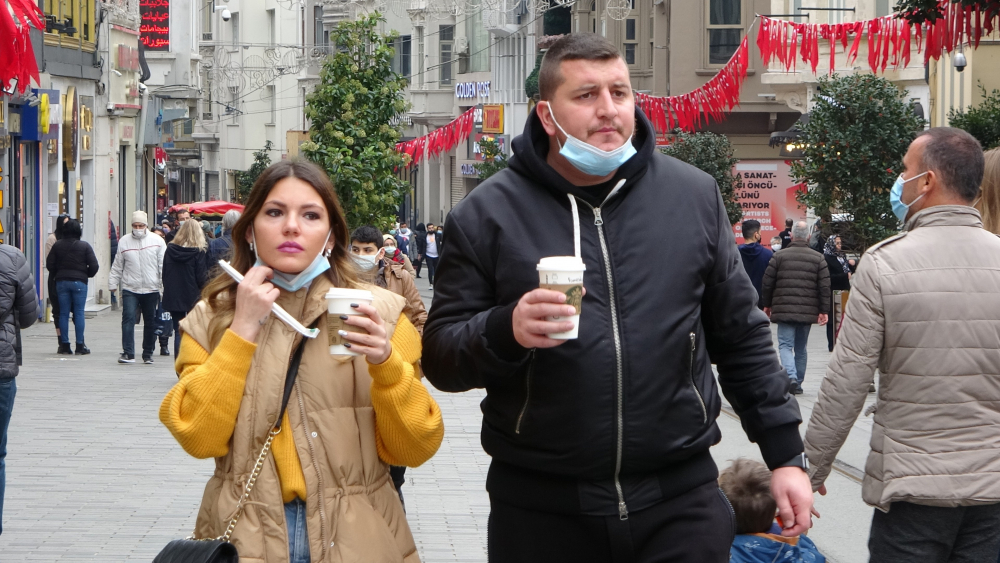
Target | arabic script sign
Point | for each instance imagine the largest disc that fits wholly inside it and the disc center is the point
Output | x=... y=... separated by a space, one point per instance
x=155 y=27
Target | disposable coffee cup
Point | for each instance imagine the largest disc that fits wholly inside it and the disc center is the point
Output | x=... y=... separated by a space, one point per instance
x=565 y=275
x=338 y=302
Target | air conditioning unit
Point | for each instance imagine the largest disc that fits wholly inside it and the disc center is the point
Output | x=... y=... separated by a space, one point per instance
x=462 y=46
x=206 y=36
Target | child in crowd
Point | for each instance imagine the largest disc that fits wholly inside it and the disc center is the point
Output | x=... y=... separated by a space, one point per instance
x=747 y=485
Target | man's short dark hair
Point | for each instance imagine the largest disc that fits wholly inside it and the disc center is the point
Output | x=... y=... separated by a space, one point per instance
x=576 y=46
x=789 y=222
x=750 y=228
x=367 y=234
x=957 y=158
x=747 y=485
x=182 y=210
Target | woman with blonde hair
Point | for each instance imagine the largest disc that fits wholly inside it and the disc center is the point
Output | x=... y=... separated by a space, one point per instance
x=327 y=495
x=989 y=198
x=185 y=271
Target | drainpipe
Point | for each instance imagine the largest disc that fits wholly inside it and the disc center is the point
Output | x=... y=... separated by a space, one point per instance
x=140 y=150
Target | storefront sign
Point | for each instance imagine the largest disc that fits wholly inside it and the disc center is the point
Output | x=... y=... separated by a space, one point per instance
x=469 y=170
x=154 y=27
x=126 y=131
x=468 y=90
x=71 y=128
x=493 y=118
x=767 y=195
x=124 y=83
x=86 y=127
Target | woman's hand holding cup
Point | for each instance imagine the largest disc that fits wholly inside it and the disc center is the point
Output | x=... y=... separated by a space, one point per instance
x=254 y=297
x=374 y=345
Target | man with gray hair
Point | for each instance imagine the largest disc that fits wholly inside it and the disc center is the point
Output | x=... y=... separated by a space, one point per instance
x=222 y=248
x=795 y=294
x=924 y=309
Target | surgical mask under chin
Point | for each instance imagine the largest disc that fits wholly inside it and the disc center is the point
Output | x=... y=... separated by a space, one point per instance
x=900 y=209
x=295 y=282
x=589 y=159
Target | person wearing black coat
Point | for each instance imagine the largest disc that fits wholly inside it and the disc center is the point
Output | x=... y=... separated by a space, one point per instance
x=420 y=238
x=50 y=284
x=71 y=262
x=18 y=309
x=185 y=272
x=840 y=275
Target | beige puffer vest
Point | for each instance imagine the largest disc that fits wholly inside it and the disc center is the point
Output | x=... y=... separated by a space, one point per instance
x=352 y=510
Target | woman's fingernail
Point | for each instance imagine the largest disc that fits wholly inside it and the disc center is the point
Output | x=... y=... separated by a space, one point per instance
x=342 y=332
x=354 y=305
x=343 y=317
x=347 y=344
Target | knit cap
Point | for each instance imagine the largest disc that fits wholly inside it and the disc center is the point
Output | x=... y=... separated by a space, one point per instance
x=139 y=217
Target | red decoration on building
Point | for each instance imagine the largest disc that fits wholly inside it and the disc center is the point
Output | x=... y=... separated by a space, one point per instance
x=440 y=140
x=154 y=29
x=716 y=98
x=17 y=57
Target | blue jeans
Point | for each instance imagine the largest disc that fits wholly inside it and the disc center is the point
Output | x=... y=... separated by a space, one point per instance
x=792 y=337
x=72 y=298
x=131 y=303
x=7 y=391
x=298 y=538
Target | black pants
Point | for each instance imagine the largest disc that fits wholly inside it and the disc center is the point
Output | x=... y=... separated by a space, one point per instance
x=432 y=264
x=697 y=526
x=175 y=318
x=417 y=264
x=914 y=533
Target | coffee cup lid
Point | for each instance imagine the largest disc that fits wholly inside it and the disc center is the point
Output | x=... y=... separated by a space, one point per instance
x=346 y=293
x=561 y=264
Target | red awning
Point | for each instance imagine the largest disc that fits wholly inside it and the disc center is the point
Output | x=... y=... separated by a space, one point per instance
x=208 y=209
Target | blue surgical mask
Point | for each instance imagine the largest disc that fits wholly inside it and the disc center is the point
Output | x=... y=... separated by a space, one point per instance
x=295 y=282
x=589 y=159
x=900 y=209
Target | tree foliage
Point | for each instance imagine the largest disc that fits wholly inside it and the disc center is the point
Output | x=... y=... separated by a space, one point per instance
x=982 y=121
x=494 y=158
x=857 y=134
x=245 y=180
x=354 y=130
x=712 y=154
x=919 y=11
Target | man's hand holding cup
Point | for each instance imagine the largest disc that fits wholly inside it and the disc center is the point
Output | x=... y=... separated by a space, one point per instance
x=532 y=326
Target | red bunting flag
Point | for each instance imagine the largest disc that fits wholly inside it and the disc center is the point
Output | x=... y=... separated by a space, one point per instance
x=440 y=140
x=17 y=57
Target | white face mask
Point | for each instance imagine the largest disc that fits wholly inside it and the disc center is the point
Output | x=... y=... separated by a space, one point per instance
x=138 y=233
x=776 y=247
x=365 y=261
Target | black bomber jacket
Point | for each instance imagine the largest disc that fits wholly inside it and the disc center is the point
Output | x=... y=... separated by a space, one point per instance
x=623 y=416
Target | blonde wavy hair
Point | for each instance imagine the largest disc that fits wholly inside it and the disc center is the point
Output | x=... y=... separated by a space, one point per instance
x=190 y=235
x=989 y=196
x=220 y=292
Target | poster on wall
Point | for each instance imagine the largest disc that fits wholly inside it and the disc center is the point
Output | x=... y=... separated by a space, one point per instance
x=767 y=195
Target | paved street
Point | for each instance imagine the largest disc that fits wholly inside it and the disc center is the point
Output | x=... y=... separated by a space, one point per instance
x=93 y=476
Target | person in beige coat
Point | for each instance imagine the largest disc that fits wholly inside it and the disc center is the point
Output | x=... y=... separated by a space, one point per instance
x=925 y=310
x=392 y=252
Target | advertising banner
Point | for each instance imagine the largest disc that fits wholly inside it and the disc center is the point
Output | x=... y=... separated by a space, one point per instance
x=767 y=195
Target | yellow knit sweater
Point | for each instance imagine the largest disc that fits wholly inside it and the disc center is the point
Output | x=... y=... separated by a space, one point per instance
x=200 y=411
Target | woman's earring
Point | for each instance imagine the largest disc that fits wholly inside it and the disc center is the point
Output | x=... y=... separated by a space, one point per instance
x=328 y=252
x=252 y=249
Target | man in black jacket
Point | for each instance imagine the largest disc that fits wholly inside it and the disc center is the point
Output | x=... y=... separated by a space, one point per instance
x=600 y=444
x=18 y=309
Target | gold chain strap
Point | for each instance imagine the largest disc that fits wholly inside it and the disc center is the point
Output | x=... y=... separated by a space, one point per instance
x=250 y=483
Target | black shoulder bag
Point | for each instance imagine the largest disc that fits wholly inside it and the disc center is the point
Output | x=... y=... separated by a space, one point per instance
x=219 y=550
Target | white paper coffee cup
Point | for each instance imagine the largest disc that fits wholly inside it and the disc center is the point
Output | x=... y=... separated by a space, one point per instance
x=338 y=302
x=564 y=274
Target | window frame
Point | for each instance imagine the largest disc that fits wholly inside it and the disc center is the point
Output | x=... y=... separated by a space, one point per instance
x=707 y=45
x=445 y=63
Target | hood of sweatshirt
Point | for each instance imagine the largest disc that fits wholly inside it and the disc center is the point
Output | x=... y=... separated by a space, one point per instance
x=531 y=148
x=183 y=254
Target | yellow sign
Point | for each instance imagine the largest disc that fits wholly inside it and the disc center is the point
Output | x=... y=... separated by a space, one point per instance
x=493 y=118
x=43 y=113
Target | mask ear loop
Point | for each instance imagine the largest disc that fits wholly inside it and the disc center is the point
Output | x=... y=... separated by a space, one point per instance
x=576 y=227
x=328 y=251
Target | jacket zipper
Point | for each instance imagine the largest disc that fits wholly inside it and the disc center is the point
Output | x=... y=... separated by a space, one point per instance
x=701 y=400
x=599 y=222
x=319 y=474
x=732 y=512
x=527 y=392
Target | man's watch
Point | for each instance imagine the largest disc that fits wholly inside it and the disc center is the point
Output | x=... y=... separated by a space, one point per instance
x=800 y=461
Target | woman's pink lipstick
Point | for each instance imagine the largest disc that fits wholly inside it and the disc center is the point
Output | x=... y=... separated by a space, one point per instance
x=290 y=247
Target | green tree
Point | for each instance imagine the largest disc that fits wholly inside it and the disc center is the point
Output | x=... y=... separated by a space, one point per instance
x=712 y=154
x=854 y=143
x=245 y=180
x=494 y=159
x=354 y=111
x=918 y=11
x=982 y=121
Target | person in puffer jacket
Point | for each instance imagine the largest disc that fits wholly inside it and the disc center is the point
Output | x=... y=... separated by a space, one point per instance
x=138 y=267
x=18 y=309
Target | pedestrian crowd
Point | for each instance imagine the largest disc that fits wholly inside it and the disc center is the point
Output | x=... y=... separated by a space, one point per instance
x=300 y=347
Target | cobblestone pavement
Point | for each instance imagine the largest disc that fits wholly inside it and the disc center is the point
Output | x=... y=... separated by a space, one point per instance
x=93 y=476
